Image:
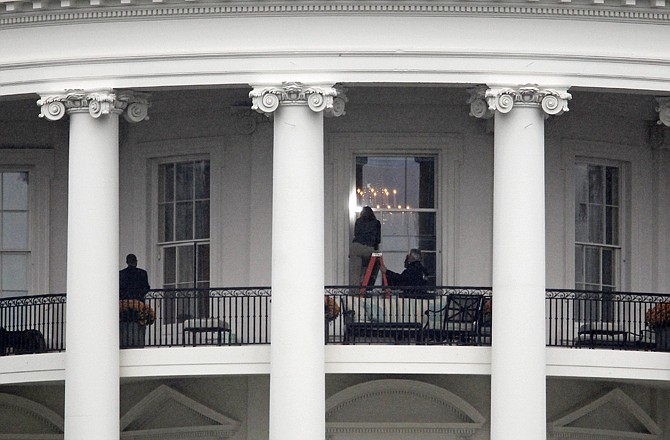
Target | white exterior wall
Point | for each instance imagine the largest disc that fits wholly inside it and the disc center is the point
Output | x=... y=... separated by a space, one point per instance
x=446 y=52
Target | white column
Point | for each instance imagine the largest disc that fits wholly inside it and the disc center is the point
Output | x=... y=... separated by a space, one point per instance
x=92 y=330
x=518 y=377
x=297 y=371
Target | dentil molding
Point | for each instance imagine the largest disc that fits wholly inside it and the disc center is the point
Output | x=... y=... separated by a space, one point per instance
x=38 y=12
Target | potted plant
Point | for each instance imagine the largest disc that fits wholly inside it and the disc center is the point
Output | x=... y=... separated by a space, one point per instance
x=658 y=318
x=331 y=309
x=134 y=317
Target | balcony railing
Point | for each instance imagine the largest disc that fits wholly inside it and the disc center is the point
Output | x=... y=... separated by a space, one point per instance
x=32 y=324
x=222 y=316
x=412 y=315
x=423 y=316
x=619 y=320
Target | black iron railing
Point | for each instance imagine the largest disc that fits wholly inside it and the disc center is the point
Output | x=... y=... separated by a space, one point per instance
x=412 y=315
x=620 y=320
x=32 y=324
x=435 y=315
x=221 y=316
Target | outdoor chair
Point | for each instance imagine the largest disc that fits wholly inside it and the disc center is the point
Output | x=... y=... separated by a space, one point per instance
x=456 y=323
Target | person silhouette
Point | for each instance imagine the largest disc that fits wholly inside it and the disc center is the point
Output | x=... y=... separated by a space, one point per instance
x=133 y=281
x=367 y=236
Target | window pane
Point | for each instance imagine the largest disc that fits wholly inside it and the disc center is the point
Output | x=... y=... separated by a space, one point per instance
x=596 y=217
x=608 y=268
x=14 y=272
x=396 y=182
x=185 y=181
x=203 y=263
x=426 y=182
x=169 y=266
x=612 y=190
x=202 y=219
x=612 y=226
x=166 y=183
x=202 y=179
x=15 y=230
x=592 y=265
x=579 y=264
x=185 y=265
x=165 y=223
x=426 y=225
x=184 y=226
x=581 y=230
x=595 y=184
x=14 y=191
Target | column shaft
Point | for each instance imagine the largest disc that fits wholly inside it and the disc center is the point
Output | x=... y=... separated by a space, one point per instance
x=92 y=356
x=297 y=381
x=518 y=396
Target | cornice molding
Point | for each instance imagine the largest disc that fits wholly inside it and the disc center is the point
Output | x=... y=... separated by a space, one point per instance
x=36 y=12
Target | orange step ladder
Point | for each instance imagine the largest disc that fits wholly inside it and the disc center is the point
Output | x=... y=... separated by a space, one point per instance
x=368 y=272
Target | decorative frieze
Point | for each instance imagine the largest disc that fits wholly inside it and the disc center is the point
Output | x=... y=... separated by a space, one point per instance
x=663 y=109
x=14 y=11
x=330 y=100
x=134 y=106
x=485 y=101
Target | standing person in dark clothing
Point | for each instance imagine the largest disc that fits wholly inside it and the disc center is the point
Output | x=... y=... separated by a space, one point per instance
x=367 y=236
x=133 y=282
x=413 y=275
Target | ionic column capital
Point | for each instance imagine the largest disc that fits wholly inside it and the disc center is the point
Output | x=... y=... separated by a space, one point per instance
x=485 y=101
x=330 y=100
x=134 y=106
x=663 y=109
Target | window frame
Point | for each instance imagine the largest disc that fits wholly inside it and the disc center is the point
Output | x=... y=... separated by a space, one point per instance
x=380 y=211
x=616 y=248
x=156 y=244
x=607 y=154
x=38 y=163
x=341 y=151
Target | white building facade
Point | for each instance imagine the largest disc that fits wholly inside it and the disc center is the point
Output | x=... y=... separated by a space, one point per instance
x=521 y=146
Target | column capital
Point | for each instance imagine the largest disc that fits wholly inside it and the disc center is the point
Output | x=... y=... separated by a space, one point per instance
x=133 y=105
x=484 y=101
x=330 y=100
x=663 y=109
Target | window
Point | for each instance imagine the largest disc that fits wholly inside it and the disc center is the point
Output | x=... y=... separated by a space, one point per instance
x=597 y=236
x=14 y=242
x=183 y=232
x=401 y=191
